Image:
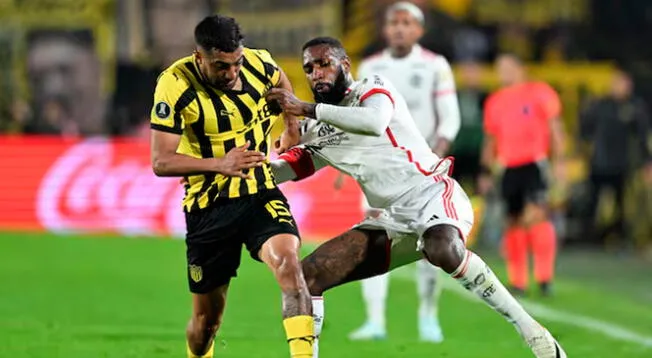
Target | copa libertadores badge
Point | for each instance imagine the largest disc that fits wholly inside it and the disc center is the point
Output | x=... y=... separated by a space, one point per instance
x=195 y=272
x=162 y=110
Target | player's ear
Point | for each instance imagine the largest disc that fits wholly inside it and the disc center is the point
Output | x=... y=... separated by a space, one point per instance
x=420 y=31
x=386 y=32
x=197 y=55
x=346 y=62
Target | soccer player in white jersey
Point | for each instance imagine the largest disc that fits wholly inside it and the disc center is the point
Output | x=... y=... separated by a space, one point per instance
x=365 y=130
x=426 y=82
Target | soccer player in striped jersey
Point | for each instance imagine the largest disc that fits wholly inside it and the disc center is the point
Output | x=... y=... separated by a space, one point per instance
x=211 y=125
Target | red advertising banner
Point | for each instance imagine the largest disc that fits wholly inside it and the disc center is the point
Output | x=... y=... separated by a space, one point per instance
x=107 y=185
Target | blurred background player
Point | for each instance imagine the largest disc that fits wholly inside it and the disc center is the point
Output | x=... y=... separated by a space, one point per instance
x=610 y=124
x=426 y=81
x=521 y=127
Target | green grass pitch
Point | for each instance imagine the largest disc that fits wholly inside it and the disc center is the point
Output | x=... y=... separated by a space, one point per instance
x=65 y=296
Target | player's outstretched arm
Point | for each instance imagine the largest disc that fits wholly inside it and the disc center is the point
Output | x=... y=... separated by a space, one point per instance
x=371 y=118
x=446 y=108
x=167 y=162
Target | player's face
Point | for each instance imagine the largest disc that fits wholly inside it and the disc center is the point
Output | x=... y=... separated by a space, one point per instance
x=621 y=85
x=509 y=70
x=327 y=73
x=220 y=69
x=402 y=30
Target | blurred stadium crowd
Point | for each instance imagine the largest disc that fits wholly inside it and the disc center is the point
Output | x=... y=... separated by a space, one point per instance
x=77 y=68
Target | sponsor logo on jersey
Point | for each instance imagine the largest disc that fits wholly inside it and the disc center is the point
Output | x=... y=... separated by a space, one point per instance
x=416 y=80
x=326 y=130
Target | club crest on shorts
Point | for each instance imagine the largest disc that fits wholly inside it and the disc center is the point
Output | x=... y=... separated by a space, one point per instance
x=195 y=272
x=162 y=110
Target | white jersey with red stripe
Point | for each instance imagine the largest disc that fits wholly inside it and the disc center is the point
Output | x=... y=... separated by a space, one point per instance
x=385 y=166
x=426 y=81
x=396 y=170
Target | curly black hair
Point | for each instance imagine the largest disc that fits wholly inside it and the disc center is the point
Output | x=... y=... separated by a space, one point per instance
x=331 y=42
x=218 y=32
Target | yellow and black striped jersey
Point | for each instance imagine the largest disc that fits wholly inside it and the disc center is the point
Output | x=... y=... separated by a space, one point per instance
x=211 y=122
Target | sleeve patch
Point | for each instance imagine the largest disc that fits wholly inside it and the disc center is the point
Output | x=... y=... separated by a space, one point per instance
x=162 y=110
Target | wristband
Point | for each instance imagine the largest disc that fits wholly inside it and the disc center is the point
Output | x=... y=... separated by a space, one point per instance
x=300 y=161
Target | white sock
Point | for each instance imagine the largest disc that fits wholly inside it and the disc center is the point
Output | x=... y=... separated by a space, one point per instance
x=428 y=289
x=318 y=317
x=476 y=276
x=374 y=291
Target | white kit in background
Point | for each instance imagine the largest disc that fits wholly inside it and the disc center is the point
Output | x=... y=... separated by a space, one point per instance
x=426 y=81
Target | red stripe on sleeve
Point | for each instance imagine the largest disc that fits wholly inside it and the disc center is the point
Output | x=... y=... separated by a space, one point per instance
x=374 y=91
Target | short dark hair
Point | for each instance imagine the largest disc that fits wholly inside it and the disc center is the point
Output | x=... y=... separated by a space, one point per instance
x=331 y=42
x=218 y=32
x=623 y=69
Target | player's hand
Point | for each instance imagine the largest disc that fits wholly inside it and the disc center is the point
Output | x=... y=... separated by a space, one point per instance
x=560 y=171
x=442 y=147
x=289 y=103
x=239 y=159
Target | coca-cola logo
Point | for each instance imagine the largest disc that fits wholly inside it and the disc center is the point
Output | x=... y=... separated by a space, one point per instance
x=89 y=188
x=104 y=185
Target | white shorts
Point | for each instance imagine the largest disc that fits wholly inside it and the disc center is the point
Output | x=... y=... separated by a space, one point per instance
x=437 y=200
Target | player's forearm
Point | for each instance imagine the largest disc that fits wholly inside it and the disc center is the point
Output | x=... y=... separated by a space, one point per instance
x=282 y=171
x=172 y=165
x=357 y=120
x=488 y=153
x=292 y=128
x=558 y=140
x=370 y=119
x=295 y=164
x=291 y=122
x=448 y=113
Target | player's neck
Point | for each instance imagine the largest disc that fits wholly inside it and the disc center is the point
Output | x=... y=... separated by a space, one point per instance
x=400 y=52
x=516 y=82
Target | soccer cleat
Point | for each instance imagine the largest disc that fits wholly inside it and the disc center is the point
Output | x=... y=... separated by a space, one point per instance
x=368 y=332
x=430 y=330
x=543 y=345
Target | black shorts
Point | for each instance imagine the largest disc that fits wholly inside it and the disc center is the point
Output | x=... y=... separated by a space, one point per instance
x=524 y=184
x=215 y=235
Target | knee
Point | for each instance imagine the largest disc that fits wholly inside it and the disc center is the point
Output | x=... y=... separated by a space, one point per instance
x=287 y=270
x=444 y=247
